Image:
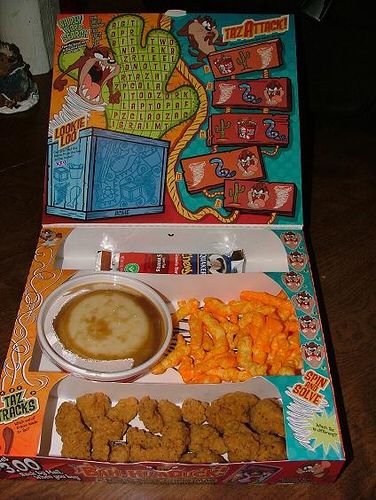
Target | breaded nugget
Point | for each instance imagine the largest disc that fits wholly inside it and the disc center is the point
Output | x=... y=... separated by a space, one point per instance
x=77 y=445
x=205 y=437
x=143 y=445
x=232 y=407
x=139 y=454
x=93 y=406
x=142 y=438
x=149 y=414
x=202 y=457
x=68 y=417
x=242 y=443
x=271 y=448
x=104 y=431
x=194 y=411
x=75 y=436
x=125 y=410
x=175 y=441
x=168 y=454
x=267 y=416
x=120 y=452
x=169 y=412
x=244 y=400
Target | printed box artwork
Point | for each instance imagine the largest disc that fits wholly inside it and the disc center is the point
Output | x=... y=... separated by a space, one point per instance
x=272 y=93
x=108 y=174
x=173 y=197
x=210 y=171
x=160 y=82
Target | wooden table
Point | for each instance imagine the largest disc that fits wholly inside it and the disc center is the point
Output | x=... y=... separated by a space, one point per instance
x=339 y=213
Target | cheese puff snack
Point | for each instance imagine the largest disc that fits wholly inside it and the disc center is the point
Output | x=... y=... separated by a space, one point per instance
x=252 y=336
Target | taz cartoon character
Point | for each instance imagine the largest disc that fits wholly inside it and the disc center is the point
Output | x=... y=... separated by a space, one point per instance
x=16 y=83
x=317 y=470
x=258 y=195
x=293 y=280
x=291 y=239
x=248 y=163
x=96 y=68
x=203 y=36
x=308 y=326
x=49 y=237
x=273 y=93
x=313 y=353
x=297 y=260
x=304 y=301
x=246 y=129
x=224 y=65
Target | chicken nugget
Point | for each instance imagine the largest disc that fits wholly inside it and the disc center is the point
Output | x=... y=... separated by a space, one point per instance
x=104 y=431
x=120 y=452
x=125 y=410
x=205 y=437
x=142 y=438
x=169 y=412
x=267 y=416
x=139 y=454
x=149 y=414
x=242 y=444
x=174 y=441
x=202 y=457
x=245 y=400
x=75 y=436
x=232 y=407
x=93 y=406
x=77 y=445
x=194 y=411
x=67 y=418
x=271 y=448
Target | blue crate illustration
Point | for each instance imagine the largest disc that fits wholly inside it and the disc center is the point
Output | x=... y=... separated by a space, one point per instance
x=106 y=174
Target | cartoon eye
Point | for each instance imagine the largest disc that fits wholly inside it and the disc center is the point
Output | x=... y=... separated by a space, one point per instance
x=98 y=55
x=206 y=25
x=111 y=61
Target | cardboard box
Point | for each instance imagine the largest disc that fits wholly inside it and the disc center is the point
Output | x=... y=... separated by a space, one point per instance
x=128 y=87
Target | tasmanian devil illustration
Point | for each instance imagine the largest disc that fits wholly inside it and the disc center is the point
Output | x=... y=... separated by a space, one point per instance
x=203 y=36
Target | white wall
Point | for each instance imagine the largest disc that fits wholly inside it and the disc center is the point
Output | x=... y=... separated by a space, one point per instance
x=30 y=24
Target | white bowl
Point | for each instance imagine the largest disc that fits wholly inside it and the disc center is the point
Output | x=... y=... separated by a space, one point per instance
x=96 y=369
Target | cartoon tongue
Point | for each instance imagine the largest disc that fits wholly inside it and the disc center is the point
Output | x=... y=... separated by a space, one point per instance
x=93 y=88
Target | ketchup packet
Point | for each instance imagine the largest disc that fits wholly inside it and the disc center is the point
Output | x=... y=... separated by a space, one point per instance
x=171 y=263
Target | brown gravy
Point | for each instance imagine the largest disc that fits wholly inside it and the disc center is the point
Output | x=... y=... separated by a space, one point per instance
x=108 y=324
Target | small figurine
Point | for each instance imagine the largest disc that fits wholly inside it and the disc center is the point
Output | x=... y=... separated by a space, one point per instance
x=18 y=91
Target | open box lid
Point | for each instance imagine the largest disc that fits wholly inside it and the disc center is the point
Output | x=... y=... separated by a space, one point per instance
x=174 y=119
